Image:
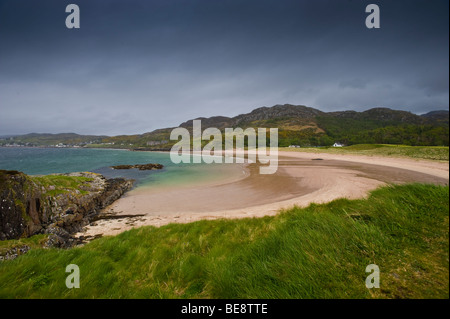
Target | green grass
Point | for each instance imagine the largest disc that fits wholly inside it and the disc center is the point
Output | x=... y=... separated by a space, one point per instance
x=59 y=184
x=316 y=252
x=438 y=153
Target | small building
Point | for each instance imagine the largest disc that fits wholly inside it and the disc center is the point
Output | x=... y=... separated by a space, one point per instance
x=296 y=146
x=337 y=144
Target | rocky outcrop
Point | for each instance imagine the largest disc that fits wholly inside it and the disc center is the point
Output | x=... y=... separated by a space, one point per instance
x=71 y=212
x=14 y=252
x=141 y=167
x=28 y=208
x=19 y=201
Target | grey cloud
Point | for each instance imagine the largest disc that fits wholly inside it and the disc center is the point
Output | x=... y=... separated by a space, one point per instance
x=135 y=66
x=354 y=84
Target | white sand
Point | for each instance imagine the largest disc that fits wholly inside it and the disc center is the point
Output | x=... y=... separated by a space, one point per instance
x=301 y=179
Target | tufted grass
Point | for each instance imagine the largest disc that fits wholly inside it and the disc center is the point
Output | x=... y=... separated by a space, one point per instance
x=316 y=252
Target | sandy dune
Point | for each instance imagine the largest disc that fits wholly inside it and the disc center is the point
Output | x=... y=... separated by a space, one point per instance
x=302 y=178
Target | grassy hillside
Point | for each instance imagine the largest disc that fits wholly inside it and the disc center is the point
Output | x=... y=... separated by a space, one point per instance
x=317 y=252
x=362 y=130
x=297 y=125
x=35 y=139
x=300 y=125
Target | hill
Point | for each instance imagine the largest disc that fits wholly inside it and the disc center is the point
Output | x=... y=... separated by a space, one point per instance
x=439 y=116
x=61 y=139
x=305 y=126
x=297 y=125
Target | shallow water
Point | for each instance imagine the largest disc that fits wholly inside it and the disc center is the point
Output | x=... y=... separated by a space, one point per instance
x=42 y=161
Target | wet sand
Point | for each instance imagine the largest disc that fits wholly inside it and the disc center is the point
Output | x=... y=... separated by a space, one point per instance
x=301 y=179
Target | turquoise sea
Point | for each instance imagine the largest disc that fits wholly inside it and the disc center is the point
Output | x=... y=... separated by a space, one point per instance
x=43 y=161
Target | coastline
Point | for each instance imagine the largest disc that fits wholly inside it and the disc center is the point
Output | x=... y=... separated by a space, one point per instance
x=302 y=178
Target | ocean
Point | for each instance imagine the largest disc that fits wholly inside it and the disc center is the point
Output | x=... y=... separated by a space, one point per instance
x=43 y=161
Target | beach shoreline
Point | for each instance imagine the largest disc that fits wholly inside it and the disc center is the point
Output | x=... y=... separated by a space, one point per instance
x=302 y=178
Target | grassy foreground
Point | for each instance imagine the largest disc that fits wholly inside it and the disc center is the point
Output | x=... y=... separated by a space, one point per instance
x=437 y=153
x=316 y=252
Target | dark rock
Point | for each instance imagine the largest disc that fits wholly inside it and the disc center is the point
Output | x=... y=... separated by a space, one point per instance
x=19 y=199
x=83 y=210
x=58 y=237
x=141 y=167
x=14 y=252
x=25 y=210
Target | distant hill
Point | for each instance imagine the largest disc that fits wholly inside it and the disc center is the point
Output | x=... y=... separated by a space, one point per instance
x=438 y=116
x=305 y=126
x=297 y=125
x=2 y=137
x=68 y=139
x=215 y=121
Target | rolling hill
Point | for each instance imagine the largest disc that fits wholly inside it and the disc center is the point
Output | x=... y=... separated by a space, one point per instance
x=297 y=124
x=38 y=139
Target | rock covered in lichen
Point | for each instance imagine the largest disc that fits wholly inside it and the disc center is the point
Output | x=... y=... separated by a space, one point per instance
x=19 y=205
x=14 y=252
x=28 y=207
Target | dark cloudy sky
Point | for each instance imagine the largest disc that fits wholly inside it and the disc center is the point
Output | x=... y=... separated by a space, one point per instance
x=135 y=66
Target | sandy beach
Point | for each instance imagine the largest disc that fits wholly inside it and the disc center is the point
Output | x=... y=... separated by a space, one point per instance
x=301 y=179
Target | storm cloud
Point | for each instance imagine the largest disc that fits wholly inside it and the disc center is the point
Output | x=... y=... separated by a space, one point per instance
x=135 y=66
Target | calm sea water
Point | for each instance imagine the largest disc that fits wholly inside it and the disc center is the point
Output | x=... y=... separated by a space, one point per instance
x=42 y=161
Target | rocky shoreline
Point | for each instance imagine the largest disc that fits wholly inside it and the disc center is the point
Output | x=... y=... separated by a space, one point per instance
x=28 y=208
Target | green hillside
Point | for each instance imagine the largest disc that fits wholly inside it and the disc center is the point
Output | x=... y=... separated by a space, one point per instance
x=297 y=125
x=37 y=139
x=304 y=126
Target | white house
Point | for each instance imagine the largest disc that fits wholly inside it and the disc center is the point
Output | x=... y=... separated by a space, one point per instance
x=337 y=144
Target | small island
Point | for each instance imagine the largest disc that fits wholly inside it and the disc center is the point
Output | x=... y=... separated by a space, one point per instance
x=141 y=167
